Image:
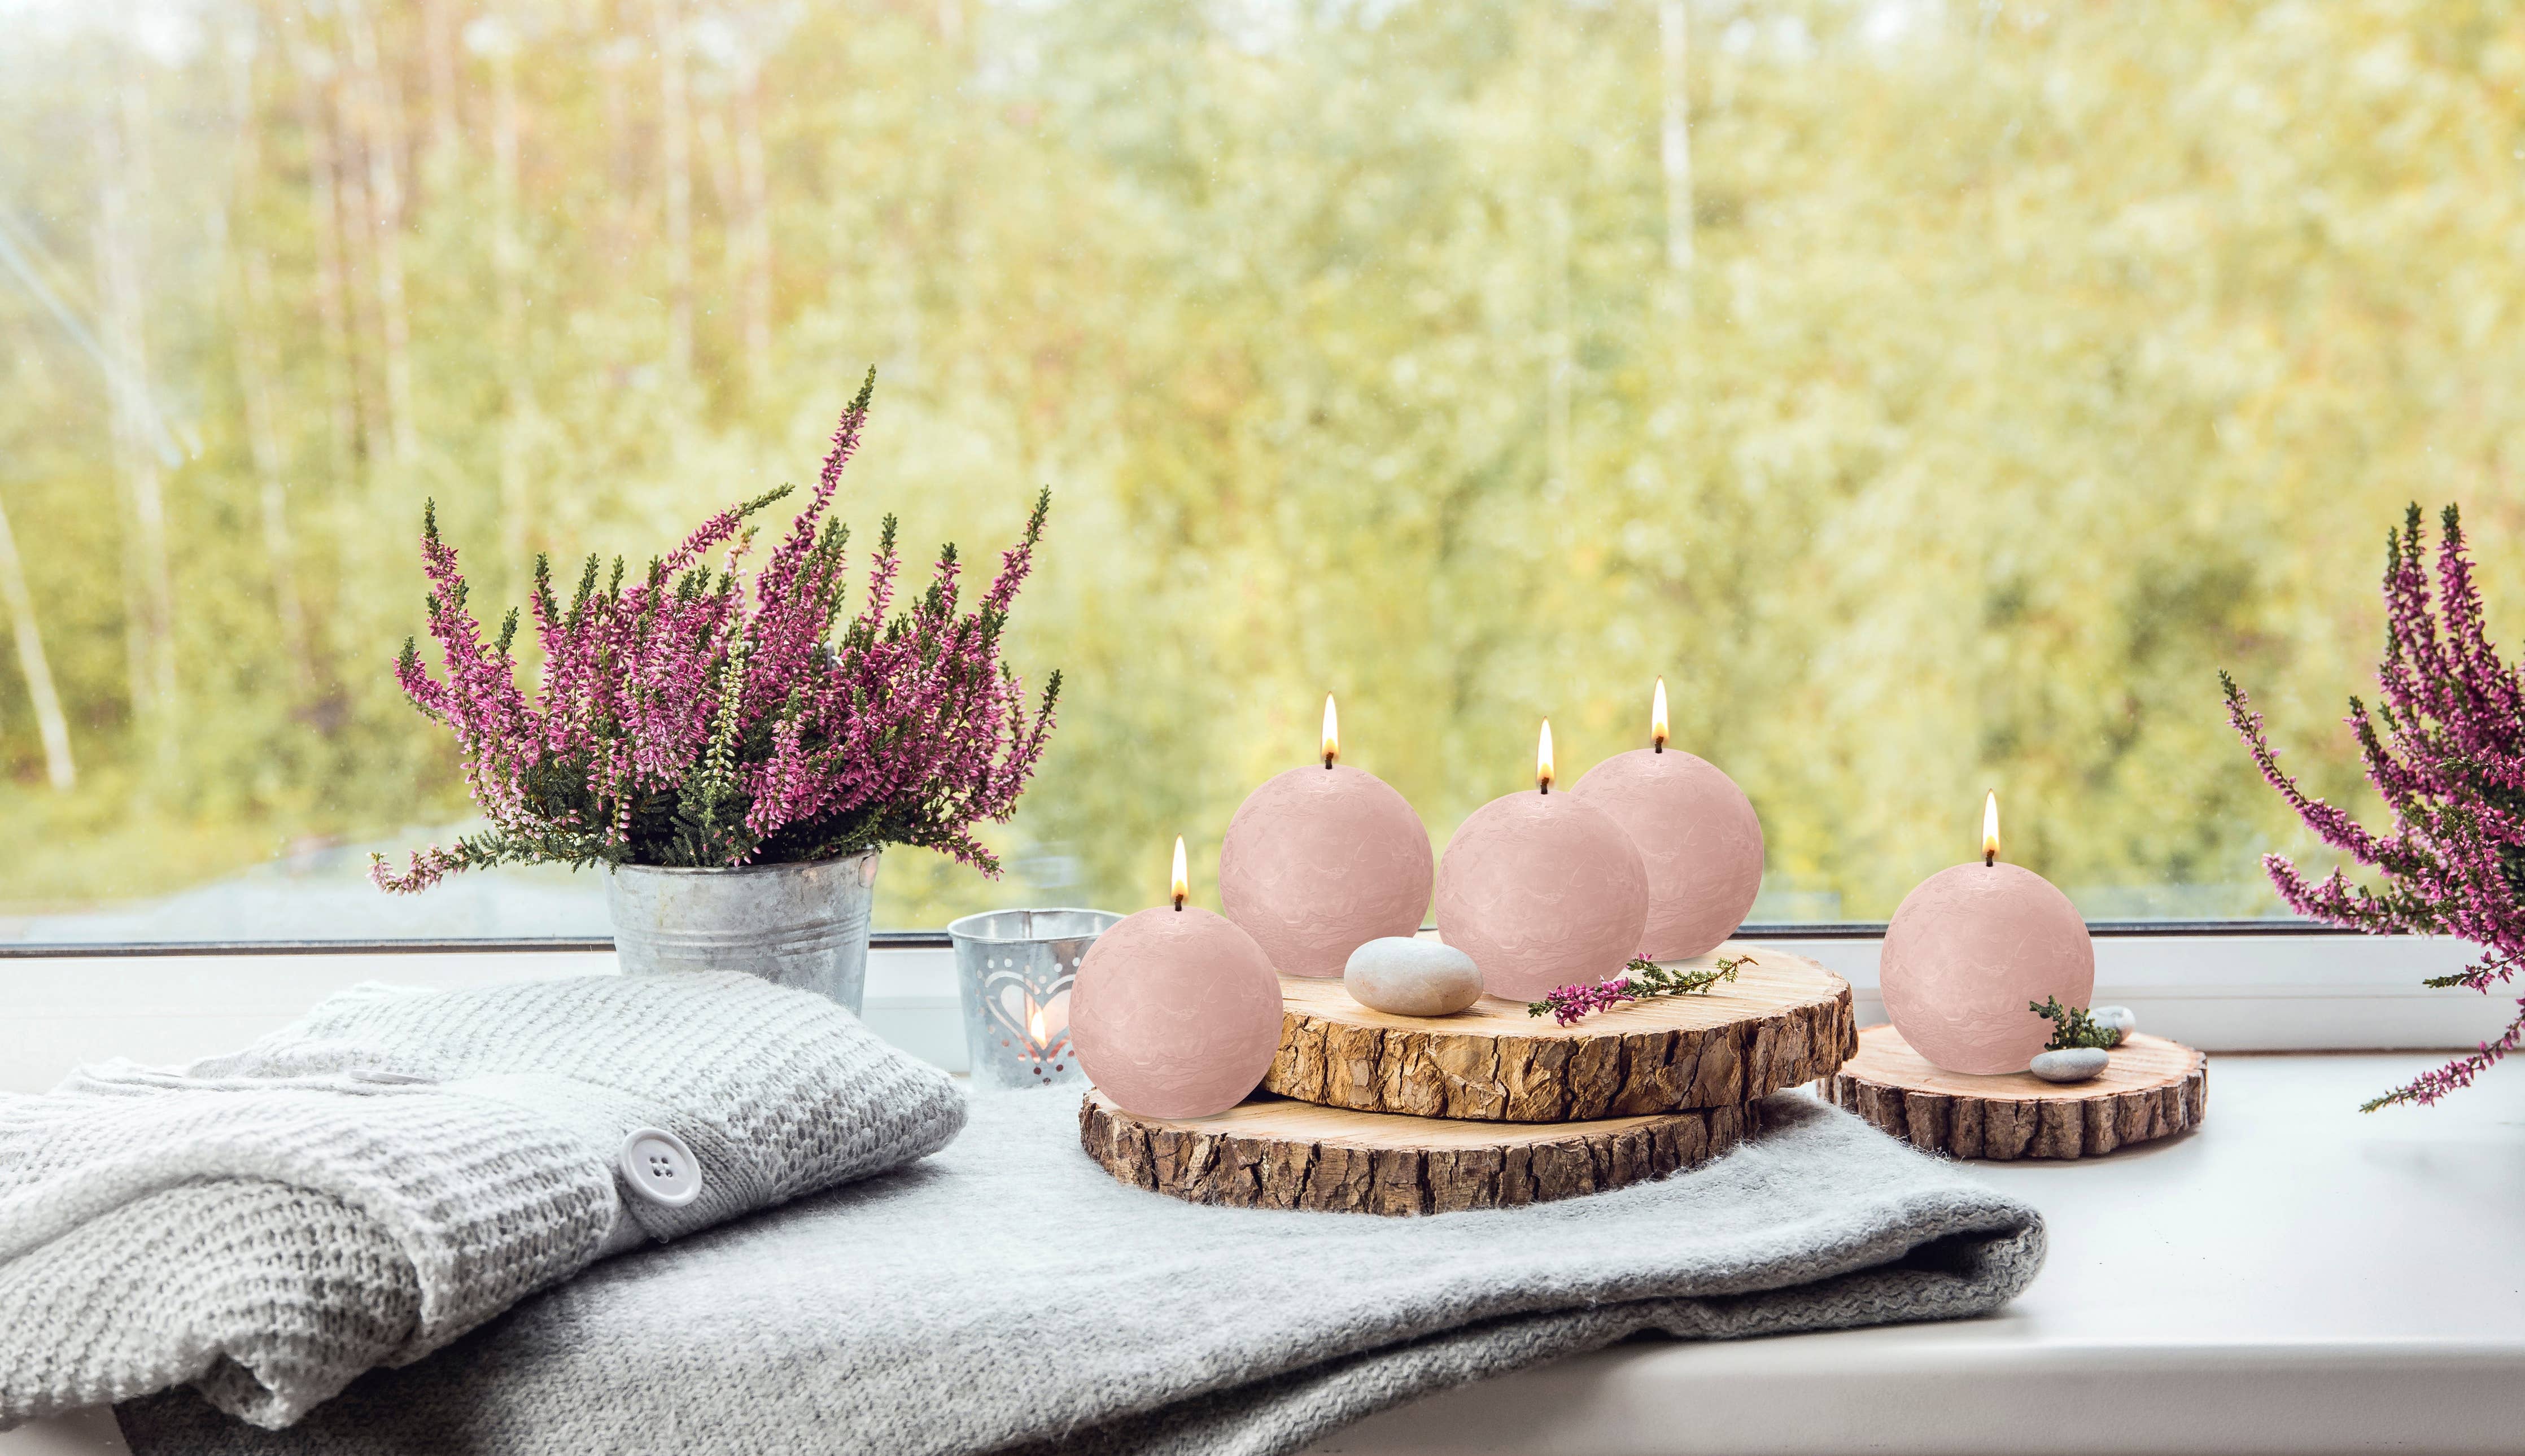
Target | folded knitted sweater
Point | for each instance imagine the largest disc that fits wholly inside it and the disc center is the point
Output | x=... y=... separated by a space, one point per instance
x=372 y=1182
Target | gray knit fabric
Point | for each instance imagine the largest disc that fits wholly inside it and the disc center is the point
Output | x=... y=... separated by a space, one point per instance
x=385 y=1175
x=1010 y=1296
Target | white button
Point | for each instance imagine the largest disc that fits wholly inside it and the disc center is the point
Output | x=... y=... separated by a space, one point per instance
x=661 y=1168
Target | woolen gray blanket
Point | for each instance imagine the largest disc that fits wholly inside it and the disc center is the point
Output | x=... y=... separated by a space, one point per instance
x=374 y=1180
x=1007 y=1294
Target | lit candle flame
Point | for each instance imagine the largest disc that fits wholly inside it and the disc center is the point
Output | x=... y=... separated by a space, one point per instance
x=1183 y=878
x=1657 y=718
x=1542 y=758
x=1034 y=1027
x=1332 y=732
x=1990 y=829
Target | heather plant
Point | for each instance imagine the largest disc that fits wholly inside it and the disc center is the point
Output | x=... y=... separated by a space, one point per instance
x=2446 y=747
x=679 y=721
x=1570 y=1005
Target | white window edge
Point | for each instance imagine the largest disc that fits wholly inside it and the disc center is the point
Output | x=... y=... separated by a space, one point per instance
x=2223 y=993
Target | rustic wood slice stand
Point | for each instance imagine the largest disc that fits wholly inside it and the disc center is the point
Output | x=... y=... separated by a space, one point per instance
x=1275 y=1153
x=2151 y=1088
x=1783 y=1022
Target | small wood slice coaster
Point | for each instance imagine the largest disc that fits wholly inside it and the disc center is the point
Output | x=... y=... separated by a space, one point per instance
x=1275 y=1153
x=1783 y=1022
x=2150 y=1089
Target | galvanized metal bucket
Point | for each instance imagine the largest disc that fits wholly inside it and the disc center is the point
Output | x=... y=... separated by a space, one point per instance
x=1012 y=970
x=801 y=925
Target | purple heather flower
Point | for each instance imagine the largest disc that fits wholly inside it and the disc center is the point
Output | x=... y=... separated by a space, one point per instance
x=2446 y=747
x=1569 y=1005
x=679 y=722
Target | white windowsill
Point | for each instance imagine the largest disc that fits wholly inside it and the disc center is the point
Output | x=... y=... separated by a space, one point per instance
x=2295 y=1276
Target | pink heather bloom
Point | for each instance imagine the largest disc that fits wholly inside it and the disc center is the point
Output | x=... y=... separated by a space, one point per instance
x=1570 y=1005
x=682 y=719
x=2446 y=747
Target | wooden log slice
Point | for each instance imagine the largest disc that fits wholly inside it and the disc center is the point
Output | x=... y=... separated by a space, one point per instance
x=1274 y=1153
x=1783 y=1022
x=2150 y=1089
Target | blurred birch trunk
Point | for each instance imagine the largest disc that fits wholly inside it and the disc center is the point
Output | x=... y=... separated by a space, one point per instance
x=50 y=725
x=754 y=218
x=675 y=157
x=312 y=66
x=122 y=166
x=362 y=323
x=493 y=39
x=379 y=108
x=446 y=128
x=1674 y=134
x=256 y=369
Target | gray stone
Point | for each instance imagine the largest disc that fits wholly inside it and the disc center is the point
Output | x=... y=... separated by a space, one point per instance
x=2075 y=1064
x=2116 y=1019
x=1410 y=976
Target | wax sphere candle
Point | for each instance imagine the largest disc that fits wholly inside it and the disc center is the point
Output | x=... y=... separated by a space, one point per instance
x=1697 y=833
x=1321 y=860
x=1970 y=948
x=1175 y=1012
x=1542 y=891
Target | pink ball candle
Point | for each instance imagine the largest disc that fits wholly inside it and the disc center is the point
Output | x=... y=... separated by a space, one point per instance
x=1542 y=891
x=1321 y=860
x=1970 y=948
x=1697 y=833
x=1175 y=1012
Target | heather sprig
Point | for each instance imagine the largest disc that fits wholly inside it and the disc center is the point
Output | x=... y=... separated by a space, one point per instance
x=684 y=719
x=2072 y=1027
x=1569 y=1005
x=2444 y=746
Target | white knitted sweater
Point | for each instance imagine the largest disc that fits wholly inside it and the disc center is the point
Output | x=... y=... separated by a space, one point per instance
x=369 y=1184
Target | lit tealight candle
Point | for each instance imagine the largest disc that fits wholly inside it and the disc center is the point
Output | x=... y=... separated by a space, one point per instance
x=1697 y=833
x=1175 y=1012
x=1322 y=859
x=1970 y=948
x=1542 y=890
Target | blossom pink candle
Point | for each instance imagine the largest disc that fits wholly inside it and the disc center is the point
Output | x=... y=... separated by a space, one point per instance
x=1542 y=890
x=1696 y=831
x=1971 y=949
x=1175 y=1012
x=1321 y=860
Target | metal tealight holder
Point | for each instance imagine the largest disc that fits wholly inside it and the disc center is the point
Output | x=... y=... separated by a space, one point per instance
x=1014 y=970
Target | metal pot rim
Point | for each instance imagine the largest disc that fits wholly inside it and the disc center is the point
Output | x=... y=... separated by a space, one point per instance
x=744 y=869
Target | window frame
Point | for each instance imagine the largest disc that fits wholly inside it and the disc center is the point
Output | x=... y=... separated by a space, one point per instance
x=937 y=940
x=2226 y=986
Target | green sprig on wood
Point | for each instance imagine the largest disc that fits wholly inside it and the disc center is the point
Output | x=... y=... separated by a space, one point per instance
x=1649 y=979
x=2072 y=1027
x=1644 y=979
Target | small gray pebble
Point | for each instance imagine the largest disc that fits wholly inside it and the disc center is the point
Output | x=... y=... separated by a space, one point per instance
x=1412 y=977
x=2075 y=1064
x=2116 y=1019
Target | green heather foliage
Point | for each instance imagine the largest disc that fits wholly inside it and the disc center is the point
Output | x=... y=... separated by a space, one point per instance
x=2030 y=363
x=2072 y=1028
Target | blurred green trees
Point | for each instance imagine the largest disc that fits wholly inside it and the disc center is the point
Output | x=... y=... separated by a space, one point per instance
x=2025 y=366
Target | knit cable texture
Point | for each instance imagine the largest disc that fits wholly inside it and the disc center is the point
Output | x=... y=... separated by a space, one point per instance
x=1008 y=1297
x=372 y=1182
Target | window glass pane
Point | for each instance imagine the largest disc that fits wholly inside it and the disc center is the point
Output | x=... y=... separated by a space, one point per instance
x=1936 y=395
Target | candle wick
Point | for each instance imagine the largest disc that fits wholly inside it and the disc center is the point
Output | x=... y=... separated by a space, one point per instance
x=1989 y=858
x=1547 y=786
x=1329 y=760
x=1660 y=744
